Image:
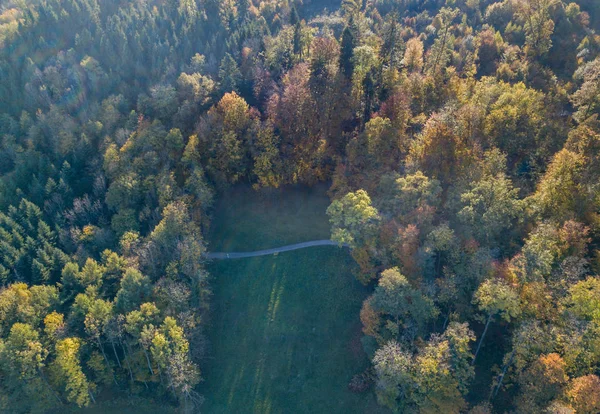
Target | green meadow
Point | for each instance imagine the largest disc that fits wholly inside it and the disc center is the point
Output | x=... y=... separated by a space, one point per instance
x=285 y=331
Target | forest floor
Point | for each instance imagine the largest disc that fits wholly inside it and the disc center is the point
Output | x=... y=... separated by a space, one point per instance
x=285 y=331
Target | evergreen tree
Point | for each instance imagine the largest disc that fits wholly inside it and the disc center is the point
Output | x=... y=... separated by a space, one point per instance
x=347 y=45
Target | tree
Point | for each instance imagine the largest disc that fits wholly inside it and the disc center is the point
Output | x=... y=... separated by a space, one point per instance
x=538 y=26
x=297 y=24
x=295 y=116
x=163 y=101
x=494 y=297
x=353 y=219
x=562 y=193
x=22 y=360
x=391 y=50
x=195 y=88
x=382 y=141
x=348 y=43
x=488 y=52
x=442 y=47
x=229 y=74
x=584 y=299
x=490 y=208
x=227 y=131
x=584 y=394
x=411 y=192
x=27 y=249
x=542 y=382
x=434 y=380
x=97 y=318
x=351 y=7
x=135 y=289
x=68 y=372
x=439 y=152
x=54 y=325
x=20 y=304
x=176 y=241
x=393 y=368
x=515 y=124
x=443 y=371
x=140 y=325
x=267 y=161
x=368 y=86
x=170 y=349
x=587 y=98
x=409 y=308
x=413 y=55
x=75 y=280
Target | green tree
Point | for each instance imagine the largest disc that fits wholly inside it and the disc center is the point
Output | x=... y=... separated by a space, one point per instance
x=443 y=44
x=18 y=303
x=353 y=218
x=229 y=74
x=409 y=308
x=393 y=368
x=382 y=141
x=96 y=321
x=494 y=297
x=140 y=325
x=587 y=98
x=22 y=362
x=170 y=349
x=443 y=372
x=436 y=379
x=491 y=208
x=411 y=192
x=584 y=299
x=228 y=131
x=135 y=289
x=28 y=249
x=68 y=372
x=413 y=55
x=348 y=43
x=562 y=192
x=538 y=25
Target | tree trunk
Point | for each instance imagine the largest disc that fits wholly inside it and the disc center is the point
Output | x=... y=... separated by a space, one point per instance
x=446 y=321
x=115 y=352
x=148 y=360
x=487 y=324
x=437 y=58
x=43 y=377
x=92 y=396
x=160 y=376
x=127 y=353
x=107 y=361
x=501 y=376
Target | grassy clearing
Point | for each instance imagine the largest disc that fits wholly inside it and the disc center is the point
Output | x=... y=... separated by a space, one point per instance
x=285 y=332
x=249 y=220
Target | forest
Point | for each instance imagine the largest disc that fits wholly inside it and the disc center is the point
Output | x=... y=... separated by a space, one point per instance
x=459 y=141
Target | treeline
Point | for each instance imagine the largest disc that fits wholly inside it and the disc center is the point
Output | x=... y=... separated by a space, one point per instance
x=461 y=139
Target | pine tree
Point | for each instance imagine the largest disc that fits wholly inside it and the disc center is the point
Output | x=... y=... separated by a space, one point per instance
x=229 y=74
x=349 y=42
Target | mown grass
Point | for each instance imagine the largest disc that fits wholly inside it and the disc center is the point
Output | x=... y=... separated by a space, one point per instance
x=285 y=330
x=249 y=220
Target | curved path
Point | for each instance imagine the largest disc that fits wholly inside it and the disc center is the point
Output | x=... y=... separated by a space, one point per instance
x=241 y=255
